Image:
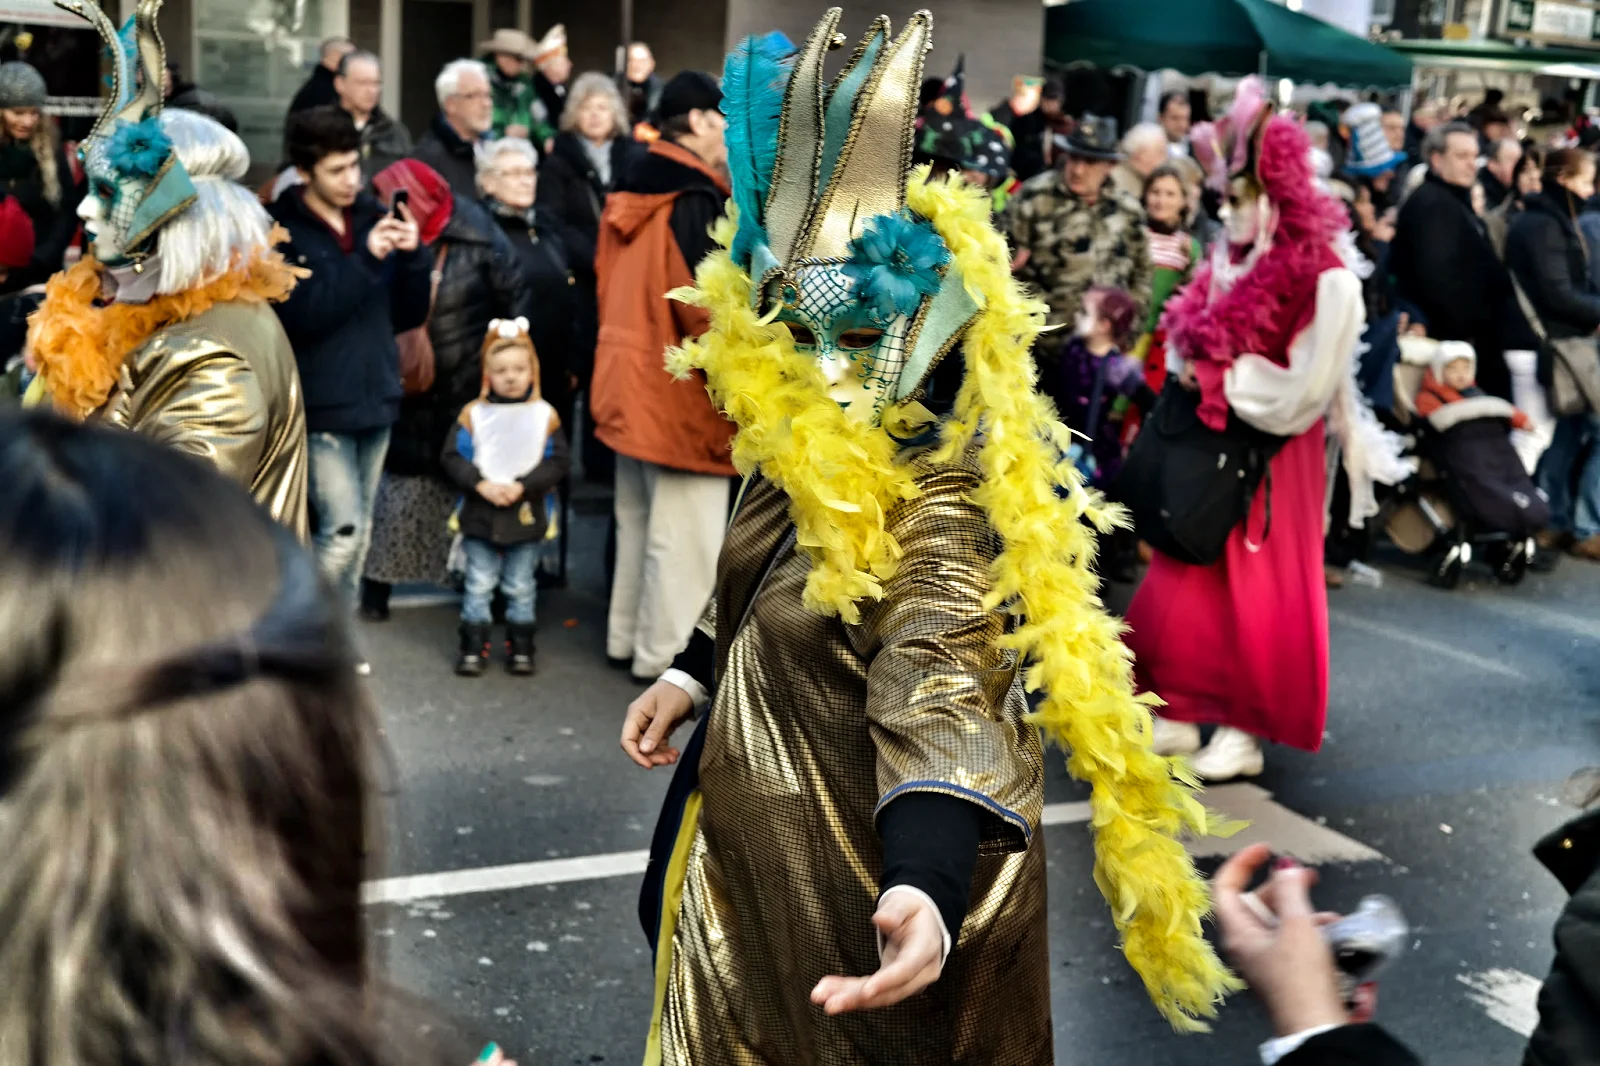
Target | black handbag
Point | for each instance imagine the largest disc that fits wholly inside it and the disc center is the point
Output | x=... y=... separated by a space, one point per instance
x=1187 y=485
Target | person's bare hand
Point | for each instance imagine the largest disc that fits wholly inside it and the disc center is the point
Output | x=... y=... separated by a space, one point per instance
x=1286 y=959
x=517 y=131
x=913 y=950
x=499 y=493
x=1187 y=377
x=406 y=235
x=380 y=241
x=650 y=721
x=514 y=492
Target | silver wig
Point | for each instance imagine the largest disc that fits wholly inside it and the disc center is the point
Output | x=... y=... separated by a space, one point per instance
x=226 y=225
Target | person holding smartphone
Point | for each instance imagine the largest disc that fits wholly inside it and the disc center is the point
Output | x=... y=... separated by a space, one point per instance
x=368 y=281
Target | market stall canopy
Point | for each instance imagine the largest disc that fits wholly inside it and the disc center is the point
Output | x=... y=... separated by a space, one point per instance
x=1500 y=56
x=1228 y=37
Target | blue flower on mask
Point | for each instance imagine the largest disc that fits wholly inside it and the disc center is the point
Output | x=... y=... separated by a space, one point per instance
x=895 y=263
x=138 y=149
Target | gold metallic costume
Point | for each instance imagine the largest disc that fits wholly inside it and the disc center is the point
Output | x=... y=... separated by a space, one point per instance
x=189 y=350
x=223 y=386
x=892 y=578
x=817 y=724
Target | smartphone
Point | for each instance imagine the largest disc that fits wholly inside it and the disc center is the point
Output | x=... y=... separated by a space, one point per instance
x=400 y=197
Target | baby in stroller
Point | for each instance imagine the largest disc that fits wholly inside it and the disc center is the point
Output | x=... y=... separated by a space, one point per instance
x=1473 y=489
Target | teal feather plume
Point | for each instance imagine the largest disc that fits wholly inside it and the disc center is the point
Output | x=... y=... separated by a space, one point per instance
x=754 y=80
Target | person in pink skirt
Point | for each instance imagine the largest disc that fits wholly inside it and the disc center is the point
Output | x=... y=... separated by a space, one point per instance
x=1268 y=330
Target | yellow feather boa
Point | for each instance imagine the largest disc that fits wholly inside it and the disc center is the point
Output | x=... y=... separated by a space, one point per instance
x=842 y=476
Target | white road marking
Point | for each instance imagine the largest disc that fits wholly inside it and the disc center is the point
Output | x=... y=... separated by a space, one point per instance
x=500 y=878
x=1509 y=997
x=1432 y=647
x=1287 y=831
x=1545 y=617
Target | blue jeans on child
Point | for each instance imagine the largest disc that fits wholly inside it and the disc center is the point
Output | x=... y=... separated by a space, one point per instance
x=489 y=566
x=1579 y=516
x=344 y=472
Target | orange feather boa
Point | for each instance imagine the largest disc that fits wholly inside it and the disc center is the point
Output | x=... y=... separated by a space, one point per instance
x=79 y=346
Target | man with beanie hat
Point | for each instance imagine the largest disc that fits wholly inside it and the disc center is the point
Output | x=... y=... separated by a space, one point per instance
x=673 y=461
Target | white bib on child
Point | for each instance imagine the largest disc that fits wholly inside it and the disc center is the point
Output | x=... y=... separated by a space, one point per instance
x=508 y=439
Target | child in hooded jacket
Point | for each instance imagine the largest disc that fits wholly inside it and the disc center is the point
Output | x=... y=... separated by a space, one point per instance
x=507 y=454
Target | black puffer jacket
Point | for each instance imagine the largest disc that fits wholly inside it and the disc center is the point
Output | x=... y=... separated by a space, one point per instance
x=562 y=323
x=1545 y=251
x=482 y=281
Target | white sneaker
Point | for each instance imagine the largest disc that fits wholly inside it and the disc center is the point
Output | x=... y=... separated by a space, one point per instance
x=1232 y=753
x=1174 y=738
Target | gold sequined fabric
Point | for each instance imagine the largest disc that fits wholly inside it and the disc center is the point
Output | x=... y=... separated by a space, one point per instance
x=223 y=386
x=815 y=726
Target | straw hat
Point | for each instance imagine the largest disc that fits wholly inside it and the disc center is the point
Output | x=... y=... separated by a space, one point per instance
x=508 y=42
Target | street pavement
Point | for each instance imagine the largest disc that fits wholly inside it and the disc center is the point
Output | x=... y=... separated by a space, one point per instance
x=516 y=826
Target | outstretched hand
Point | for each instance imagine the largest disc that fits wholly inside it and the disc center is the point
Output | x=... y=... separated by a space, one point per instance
x=650 y=721
x=913 y=956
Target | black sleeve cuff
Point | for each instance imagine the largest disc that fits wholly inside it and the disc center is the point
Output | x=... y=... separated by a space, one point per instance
x=930 y=842
x=699 y=659
x=1351 y=1045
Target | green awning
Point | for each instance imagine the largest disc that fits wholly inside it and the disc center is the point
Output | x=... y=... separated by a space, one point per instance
x=1228 y=37
x=1492 y=55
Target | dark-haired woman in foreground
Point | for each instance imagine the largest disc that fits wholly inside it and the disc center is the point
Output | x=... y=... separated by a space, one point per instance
x=184 y=775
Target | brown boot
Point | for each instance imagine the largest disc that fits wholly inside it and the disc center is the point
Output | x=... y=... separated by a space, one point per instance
x=1333 y=575
x=1553 y=540
x=1588 y=548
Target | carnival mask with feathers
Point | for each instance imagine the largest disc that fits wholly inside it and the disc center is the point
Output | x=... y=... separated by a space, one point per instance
x=818 y=174
x=135 y=182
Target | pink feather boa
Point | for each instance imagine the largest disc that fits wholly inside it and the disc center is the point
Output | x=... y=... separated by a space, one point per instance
x=1247 y=316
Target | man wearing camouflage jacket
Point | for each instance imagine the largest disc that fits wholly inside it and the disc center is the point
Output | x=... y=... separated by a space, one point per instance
x=1072 y=229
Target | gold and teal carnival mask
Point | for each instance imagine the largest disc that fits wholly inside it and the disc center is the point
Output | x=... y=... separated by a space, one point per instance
x=863 y=283
x=136 y=183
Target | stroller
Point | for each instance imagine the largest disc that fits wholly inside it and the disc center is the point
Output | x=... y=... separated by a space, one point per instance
x=1471 y=498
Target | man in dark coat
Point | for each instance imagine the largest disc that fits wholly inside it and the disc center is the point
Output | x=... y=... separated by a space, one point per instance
x=368 y=281
x=466 y=113
x=318 y=90
x=1499 y=174
x=1444 y=263
x=384 y=140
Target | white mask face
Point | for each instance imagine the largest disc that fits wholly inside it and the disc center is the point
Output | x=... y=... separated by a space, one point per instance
x=1241 y=217
x=102 y=239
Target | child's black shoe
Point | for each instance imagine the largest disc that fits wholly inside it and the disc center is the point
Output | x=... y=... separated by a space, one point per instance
x=519 y=648
x=474 y=649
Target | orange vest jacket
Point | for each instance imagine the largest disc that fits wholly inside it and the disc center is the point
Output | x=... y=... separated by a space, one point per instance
x=639 y=409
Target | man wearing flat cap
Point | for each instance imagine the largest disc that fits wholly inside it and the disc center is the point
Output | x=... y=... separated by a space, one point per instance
x=1072 y=229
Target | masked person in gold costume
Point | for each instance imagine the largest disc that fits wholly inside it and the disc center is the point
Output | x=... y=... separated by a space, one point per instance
x=849 y=867
x=165 y=328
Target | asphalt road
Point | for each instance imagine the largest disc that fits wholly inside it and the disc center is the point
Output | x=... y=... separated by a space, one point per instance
x=1456 y=719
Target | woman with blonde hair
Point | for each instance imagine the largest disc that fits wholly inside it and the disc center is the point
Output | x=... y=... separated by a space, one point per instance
x=34 y=169
x=185 y=798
